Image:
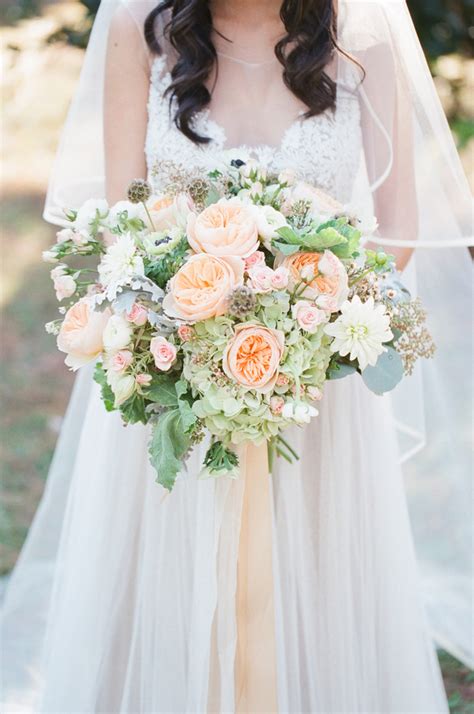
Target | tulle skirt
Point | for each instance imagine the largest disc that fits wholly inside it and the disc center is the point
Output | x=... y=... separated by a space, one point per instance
x=114 y=603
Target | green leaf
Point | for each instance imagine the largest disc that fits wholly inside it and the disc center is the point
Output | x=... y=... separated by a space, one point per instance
x=285 y=248
x=320 y=242
x=331 y=236
x=161 y=269
x=185 y=401
x=168 y=446
x=163 y=391
x=133 y=409
x=386 y=373
x=289 y=235
x=107 y=394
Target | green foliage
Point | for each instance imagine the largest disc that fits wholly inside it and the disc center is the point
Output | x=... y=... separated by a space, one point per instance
x=107 y=394
x=133 y=410
x=220 y=461
x=168 y=445
x=161 y=269
x=443 y=26
x=162 y=391
x=336 y=235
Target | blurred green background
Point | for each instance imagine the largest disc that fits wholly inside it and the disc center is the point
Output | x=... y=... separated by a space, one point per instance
x=42 y=49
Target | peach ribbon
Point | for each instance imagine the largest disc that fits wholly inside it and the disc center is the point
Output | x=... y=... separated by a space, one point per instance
x=255 y=663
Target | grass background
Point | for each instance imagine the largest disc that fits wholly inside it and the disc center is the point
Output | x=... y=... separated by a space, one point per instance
x=37 y=80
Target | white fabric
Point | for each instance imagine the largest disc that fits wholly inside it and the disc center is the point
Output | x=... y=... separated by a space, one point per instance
x=114 y=599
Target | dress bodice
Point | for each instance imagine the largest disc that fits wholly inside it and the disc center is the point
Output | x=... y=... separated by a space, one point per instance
x=321 y=149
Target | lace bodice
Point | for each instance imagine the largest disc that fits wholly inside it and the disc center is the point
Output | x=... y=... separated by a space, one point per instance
x=320 y=149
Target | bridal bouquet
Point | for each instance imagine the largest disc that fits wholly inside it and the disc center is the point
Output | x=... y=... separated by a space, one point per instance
x=224 y=304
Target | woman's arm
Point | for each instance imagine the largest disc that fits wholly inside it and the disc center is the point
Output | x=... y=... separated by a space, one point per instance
x=125 y=105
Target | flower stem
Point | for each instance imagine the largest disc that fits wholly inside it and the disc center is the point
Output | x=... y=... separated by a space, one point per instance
x=149 y=216
x=287 y=446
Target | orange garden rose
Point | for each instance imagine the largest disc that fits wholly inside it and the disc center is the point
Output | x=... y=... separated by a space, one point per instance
x=328 y=284
x=200 y=288
x=81 y=334
x=253 y=355
x=225 y=228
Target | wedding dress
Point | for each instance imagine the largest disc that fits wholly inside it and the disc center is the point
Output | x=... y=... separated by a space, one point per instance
x=126 y=599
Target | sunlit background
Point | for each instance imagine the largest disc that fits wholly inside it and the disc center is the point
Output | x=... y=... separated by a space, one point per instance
x=42 y=51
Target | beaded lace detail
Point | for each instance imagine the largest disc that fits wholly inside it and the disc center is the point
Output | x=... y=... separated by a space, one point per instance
x=319 y=149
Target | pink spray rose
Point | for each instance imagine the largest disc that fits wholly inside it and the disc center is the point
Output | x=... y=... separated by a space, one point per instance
x=276 y=405
x=138 y=315
x=261 y=278
x=308 y=316
x=142 y=379
x=257 y=258
x=164 y=353
x=122 y=360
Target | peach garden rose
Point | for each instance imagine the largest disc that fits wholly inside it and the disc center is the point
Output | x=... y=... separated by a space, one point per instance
x=252 y=356
x=226 y=228
x=200 y=288
x=168 y=212
x=81 y=334
x=327 y=276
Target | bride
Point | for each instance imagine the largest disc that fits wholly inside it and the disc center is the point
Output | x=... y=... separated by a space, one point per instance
x=297 y=592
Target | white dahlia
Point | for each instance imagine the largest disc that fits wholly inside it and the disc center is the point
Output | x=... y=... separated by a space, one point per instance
x=120 y=264
x=360 y=331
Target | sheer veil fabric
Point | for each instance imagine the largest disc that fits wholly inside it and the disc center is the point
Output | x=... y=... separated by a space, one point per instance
x=124 y=600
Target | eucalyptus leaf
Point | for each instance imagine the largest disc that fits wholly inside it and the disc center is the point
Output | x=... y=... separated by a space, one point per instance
x=338 y=371
x=385 y=374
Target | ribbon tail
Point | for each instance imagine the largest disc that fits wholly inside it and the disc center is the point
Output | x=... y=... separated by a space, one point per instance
x=255 y=662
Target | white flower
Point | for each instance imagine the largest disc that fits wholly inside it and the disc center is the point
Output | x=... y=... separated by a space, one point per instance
x=49 y=256
x=89 y=212
x=300 y=413
x=134 y=210
x=52 y=328
x=366 y=221
x=58 y=271
x=287 y=176
x=120 y=264
x=63 y=235
x=65 y=286
x=268 y=220
x=122 y=385
x=117 y=333
x=360 y=331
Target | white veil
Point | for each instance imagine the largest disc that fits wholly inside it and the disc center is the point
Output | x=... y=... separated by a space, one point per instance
x=409 y=172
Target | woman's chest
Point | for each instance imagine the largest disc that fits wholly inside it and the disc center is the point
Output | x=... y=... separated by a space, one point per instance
x=324 y=149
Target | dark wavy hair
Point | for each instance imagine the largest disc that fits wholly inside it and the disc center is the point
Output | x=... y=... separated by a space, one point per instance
x=304 y=52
